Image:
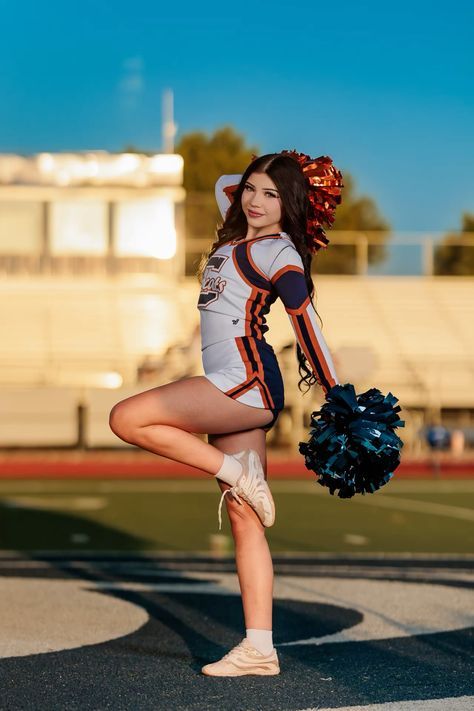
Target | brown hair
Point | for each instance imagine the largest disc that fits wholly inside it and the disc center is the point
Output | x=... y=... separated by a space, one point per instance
x=291 y=184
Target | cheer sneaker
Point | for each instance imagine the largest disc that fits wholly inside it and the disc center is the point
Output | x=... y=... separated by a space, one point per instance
x=252 y=487
x=244 y=659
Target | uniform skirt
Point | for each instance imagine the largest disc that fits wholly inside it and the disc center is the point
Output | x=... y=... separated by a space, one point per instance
x=246 y=369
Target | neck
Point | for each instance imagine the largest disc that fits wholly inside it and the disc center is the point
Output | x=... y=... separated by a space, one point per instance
x=253 y=232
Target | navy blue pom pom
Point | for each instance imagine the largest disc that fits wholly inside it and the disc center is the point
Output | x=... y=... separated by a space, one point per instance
x=353 y=447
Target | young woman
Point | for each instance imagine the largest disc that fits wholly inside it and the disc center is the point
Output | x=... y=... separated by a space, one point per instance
x=263 y=251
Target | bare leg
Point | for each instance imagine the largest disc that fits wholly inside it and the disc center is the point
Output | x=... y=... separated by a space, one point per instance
x=252 y=554
x=180 y=446
x=162 y=420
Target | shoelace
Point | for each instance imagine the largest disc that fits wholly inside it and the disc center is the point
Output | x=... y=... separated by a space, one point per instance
x=233 y=651
x=238 y=648
x=234 y=494
x=252 y=488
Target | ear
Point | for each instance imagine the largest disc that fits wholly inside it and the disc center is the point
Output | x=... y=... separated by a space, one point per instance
x=225 y=186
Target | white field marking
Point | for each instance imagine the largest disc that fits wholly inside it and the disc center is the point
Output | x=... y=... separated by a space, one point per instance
x=96 y=503
x=355 y=539
x=453 y=703
x=416 y=574
x=427 y=507
x=62 y=503
x=209 y=486
x=389 y=608
x=38 y=616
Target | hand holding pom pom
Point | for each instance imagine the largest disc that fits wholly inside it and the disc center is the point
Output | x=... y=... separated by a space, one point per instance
x=352 y=445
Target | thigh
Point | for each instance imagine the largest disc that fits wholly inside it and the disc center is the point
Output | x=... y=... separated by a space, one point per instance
x=192 y=404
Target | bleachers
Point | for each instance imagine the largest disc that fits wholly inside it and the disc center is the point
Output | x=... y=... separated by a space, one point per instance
x=65 y=332
x=413 y=335
x=39 y=417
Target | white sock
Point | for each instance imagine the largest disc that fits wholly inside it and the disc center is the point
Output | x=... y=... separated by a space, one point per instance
x=261 y=640
x=230 y=470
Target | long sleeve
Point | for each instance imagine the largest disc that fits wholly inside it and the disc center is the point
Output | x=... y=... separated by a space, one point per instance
x=286 y=273
x=221 y=198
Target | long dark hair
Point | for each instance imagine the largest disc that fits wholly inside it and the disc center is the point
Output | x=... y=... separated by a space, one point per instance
x=290 y=182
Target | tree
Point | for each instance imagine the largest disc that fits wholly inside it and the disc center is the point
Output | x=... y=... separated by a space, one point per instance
x=354 y=214
x=455 y=253
x=206 y=158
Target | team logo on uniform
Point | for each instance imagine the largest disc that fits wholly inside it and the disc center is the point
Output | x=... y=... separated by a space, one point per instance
x=212 y=286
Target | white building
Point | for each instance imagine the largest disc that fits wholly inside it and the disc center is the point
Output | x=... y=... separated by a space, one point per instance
x=91 y=212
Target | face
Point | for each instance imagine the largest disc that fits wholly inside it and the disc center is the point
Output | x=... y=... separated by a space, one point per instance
x=261 y=203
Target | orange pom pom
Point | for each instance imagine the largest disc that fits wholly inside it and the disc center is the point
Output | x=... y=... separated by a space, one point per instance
x=324 y=182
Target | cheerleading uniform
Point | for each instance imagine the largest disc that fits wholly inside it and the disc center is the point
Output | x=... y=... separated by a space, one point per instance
x=240 y=282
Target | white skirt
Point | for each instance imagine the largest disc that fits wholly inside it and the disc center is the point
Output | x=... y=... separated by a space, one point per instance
x=246 y=369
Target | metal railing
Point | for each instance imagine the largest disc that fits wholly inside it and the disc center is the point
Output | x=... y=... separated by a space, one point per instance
x=349 y=252
x=374 y=254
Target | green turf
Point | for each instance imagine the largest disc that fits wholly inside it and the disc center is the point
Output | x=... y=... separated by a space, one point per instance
x=404 y=517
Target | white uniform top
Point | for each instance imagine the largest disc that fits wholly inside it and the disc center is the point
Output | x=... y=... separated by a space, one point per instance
x=243 y=278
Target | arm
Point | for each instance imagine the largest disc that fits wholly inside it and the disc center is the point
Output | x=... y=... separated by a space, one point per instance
x=223 y=182
x=286 y=273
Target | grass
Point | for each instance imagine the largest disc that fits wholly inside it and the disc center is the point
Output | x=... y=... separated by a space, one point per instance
x=178 y=516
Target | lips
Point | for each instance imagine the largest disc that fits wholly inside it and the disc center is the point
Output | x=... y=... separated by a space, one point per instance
x=254 y=214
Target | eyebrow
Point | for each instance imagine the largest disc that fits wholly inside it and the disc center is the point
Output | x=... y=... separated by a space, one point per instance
x=274 y=189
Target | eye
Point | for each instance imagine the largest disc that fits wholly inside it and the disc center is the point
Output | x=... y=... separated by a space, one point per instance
x=249 y=187
x=271 y=194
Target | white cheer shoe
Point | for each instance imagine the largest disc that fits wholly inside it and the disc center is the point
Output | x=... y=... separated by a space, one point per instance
x=252 y=487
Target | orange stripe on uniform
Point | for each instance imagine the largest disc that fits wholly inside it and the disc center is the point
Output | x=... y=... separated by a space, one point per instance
x=300 y=309
x=243 y=354
x=285 y=270
x=244 y=387
x=264 y=391
x=254 y=378
x=241 y=389
x=253 y=294
x=315 y=342
x=254 y=266
x=255 y=317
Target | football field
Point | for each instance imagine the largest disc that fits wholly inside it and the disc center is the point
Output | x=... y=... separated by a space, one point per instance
x=114 y=594
x=178 y=516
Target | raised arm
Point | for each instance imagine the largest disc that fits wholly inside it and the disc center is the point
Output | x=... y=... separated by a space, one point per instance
x=224 y=182
x=287 y=276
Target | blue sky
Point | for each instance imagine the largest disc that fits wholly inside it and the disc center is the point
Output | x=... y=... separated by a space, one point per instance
x=386 y=90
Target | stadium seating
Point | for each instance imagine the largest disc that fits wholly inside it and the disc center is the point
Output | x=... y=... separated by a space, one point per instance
x=39 y=417
x=410 y=335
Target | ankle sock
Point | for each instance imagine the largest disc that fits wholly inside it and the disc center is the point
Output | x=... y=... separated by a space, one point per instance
x=261 y=640
x=230 y=470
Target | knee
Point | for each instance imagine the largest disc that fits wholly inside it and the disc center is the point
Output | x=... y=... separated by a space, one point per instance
x=120 y=422
x=244 y=521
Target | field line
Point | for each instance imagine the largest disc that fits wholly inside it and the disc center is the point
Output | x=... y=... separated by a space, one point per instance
x=428 y=507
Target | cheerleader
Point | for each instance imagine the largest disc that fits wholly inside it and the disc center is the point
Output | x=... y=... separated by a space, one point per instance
x=263 y=251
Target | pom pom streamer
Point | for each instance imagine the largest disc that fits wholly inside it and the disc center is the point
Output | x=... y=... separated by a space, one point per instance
x=325 y=185
x=324 y=188
x=353 y=447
